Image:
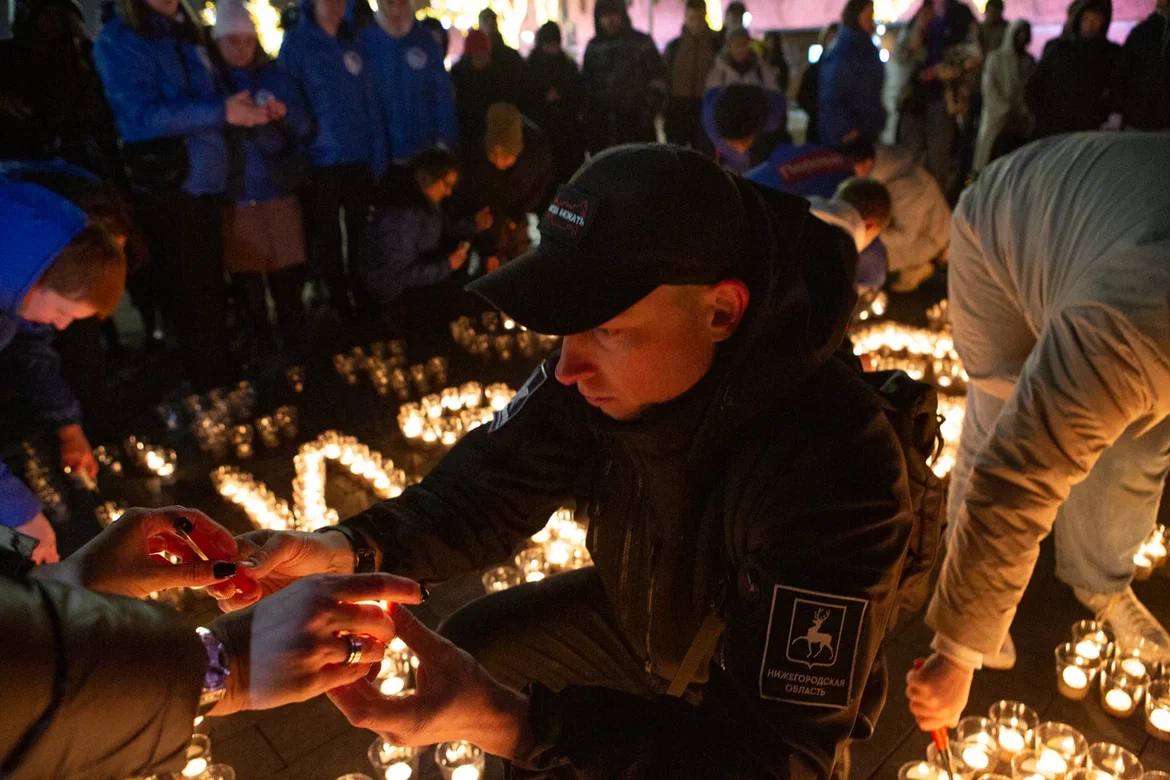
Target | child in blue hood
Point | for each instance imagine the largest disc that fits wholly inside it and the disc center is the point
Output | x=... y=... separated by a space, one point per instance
x=57 y=267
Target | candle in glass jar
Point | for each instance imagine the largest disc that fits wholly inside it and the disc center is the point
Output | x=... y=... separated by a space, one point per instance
x=400 y=770
x=1160 y=720
x=467 y=772
x=1118 y=702
x=1087 y=648
x=1133 y=666
x=1075 y=678
x=195 y=767
x=1010 y=740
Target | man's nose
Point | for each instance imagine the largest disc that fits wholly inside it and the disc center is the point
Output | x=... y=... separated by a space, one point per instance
x=574 y=364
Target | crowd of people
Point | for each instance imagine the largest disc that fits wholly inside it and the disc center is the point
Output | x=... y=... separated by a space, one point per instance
x=700 y=410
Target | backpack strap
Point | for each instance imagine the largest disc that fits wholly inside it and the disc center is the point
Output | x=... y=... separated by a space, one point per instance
x=700 y=652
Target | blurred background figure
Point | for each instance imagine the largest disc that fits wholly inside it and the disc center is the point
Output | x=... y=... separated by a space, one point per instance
x=552 y=99
x=689 y=58
x=1005 y=123
x=1146 y=71
x=849 y=98
x=809 y=90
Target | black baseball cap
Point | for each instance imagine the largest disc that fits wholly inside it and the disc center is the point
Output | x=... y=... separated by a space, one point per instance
x=632 y=218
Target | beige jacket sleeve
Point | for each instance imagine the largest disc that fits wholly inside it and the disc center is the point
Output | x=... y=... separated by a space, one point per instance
x=1090 y=377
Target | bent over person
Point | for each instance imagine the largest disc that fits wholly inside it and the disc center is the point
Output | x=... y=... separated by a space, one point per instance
x=735 y=472
x=1060 y=268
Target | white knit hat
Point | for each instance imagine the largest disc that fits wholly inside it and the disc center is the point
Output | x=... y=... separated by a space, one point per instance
x=232 y=18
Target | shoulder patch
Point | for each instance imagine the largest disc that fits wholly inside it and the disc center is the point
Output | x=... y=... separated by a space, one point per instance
x=353 y=62
x=501 y=418
x=416 y=58
x=811 y=647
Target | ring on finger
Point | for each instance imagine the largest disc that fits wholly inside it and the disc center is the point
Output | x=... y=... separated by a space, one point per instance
x=355 y=650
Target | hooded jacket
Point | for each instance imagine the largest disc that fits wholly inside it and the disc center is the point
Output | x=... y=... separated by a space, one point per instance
x=920 y=222
x=412 y=90
x=849 y=96
x=1072 y=234
x=1077 y=82
x=335 y=78
x=267 y=161
x=1146 y=73
x=68 y=653
x=37 y=224
x=776 y=474
x=403 y=247
x=625 y=81
x=1005 y=74
x=163 y=85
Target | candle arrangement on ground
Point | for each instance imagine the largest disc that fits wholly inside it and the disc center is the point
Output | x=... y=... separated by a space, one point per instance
x=39 y=477
x=263 y=507
x=1124 y=670
x=498 y=336
x=310 y=509
x=926 y=354
x=1152 y=553
x=1011 y=742
x=459 y=761
x=443 y=418
x=393 y=762
x=152 y=459
x=558 y=547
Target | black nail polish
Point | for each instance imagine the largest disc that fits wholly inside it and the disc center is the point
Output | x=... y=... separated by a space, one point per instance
x=223 y=569
x=372 y=675
x=184 y=525
x=423 y=592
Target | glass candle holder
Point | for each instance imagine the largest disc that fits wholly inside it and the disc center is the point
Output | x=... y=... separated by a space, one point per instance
x=436 y=369
x=1092 y=640
x=241 y=438
x=1115 y=760
x=491 y=321
x=354 y=776
x=459 y=761
x=1158 y=710
x=198 y=757
x=269 y=432
x=1087 y=773
x=1014 y=722
x=393 y=762
x=533 y=564
x=1156 y=774
x=974 y=748
x=1121 y=692
x=992 y=776
x=1141 y=657
x=917 y=770
x=1074 y=672
x=1063 y=739
x=500 y=578
x=1038 y=765
x=418 y=375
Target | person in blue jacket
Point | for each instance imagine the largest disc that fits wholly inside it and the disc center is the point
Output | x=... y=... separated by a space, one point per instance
x=161 y=85
x=57 y=266
x=807 y=169
x=409 y=241
x=850 y=89
x=264 y=235
x=744 y=121
x=326 y=57
x=413 y=90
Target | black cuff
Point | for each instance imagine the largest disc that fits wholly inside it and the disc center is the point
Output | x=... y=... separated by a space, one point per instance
x=545 y=720
x=364 y=555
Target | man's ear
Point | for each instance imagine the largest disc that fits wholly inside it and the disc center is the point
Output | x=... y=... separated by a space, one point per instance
x=729 y=302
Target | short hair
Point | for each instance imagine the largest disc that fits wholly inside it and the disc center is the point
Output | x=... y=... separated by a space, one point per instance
x=735 y=7
x=434 y=163
x=852 y=11
x=91 y=268
x=868 y=196
x=741 y=111
x=696 y=5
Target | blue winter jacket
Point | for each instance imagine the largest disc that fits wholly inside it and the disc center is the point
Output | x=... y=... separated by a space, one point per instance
x=160 y=86
x=36 y=225
x=803 y=170
x=413 y=90
x=728 y=157
x=850 y=98
x=266 y=160
x=334 y=78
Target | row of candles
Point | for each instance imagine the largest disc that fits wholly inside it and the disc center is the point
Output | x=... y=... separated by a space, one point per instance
x=391 y=374
x=1151 y=553
x=1125 y=672
x=455 y=760
x=558 y=547
x=1012 y=744
x=215 y=435
x=501 y=336
x=444 y=417
x=309 y=510
x=39 y=477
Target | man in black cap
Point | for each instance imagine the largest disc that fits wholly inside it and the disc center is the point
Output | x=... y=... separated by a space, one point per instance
x=748 y=499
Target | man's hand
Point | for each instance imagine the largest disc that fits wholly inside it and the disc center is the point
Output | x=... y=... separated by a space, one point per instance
x=277 y=110
x=294 y=645
x=484 y=219
x=938 y=691
x=492 y=264
x=456 y=700
x=76 y=454
x=119 y=560
x=276 y=559
x=41 y=529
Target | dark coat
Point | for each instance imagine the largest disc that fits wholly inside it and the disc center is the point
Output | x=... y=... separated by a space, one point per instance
x=850 y=89
x=1146 y=74
x=777 y=471
x=552 y=98
x=92 y=686
x=476 y=90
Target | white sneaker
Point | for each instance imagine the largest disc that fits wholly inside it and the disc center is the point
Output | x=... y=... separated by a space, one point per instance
x=1004 y=658
x=1127 y=617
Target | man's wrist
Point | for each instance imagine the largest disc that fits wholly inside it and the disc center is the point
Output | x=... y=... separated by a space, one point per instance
x=507 y=732
x=350 y=553
x=224 y=628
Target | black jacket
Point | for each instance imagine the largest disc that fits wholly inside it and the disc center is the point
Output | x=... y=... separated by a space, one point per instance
x=1146 y=74
x=92 y=686
x=557 y=113
x=774 y=488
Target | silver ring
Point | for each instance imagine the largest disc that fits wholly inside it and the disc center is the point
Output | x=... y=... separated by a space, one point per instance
x=355 y=650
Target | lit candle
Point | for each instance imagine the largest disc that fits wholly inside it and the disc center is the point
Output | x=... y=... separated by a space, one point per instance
x=1010 y=740
x=195 y=767
x=1051 y=763
x=399 y=771
x=1075 y=678
x=1118 y=702
x=466 y=772
x=1159 y=722
x=976 y=757
x=1087 y=648
x=392 y=686
x=917 y=770
x=1133 y=666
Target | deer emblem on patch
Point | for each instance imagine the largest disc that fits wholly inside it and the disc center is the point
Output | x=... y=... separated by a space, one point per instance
x=821 y=624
